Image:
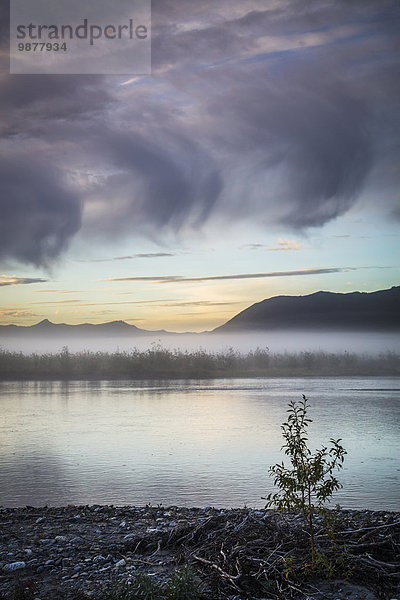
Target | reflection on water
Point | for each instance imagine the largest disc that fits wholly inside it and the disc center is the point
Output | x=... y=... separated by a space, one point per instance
x=188 y=443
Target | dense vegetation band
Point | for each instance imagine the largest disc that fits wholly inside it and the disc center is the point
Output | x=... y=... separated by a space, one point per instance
x=159 y=363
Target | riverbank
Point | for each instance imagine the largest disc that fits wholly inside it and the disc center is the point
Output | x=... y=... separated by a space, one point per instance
x=80 y=552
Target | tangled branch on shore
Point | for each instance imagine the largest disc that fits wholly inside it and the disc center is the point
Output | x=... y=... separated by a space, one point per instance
x=257 y=554
x=81 y=553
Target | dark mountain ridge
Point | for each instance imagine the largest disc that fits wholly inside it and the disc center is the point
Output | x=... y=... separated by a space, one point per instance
x=358 y=311
x=46 y=328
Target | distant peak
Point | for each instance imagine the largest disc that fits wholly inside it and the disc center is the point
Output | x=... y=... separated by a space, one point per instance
x=44 y=323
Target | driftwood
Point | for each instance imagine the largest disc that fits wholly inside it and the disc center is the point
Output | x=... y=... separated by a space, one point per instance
x=251 y=554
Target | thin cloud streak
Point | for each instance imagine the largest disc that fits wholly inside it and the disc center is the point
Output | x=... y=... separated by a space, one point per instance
x=154 y=303
x=201 y=303
x=129 y=257
x=285 y=245
x=59 y=291
x=57 y=302
x=10 y=280
x=12 y=312
x=181 y=279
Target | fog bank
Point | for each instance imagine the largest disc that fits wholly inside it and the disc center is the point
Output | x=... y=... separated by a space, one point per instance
x=372 y=343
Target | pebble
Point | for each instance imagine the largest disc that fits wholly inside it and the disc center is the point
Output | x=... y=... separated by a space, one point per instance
x=77 y=540
x=121 y=563
x=14 y=566
x=99 y=558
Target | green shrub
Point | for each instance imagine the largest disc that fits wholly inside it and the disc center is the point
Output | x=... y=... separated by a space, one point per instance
x=143 y=587
x=183 y=585
x=309 y=482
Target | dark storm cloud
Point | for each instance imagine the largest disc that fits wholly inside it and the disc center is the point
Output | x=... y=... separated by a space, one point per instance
x=303 y=125
x=4 y=36
x=310 y=132
x=72 y=93
x=278 y=113
x=45 y=106
x=38 y=213
x=162 y=186
x=30 y=104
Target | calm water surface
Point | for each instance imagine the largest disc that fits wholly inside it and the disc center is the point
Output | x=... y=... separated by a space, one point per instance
x=191 y=443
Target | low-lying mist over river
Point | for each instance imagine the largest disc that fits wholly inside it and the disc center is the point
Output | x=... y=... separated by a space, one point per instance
x=276 y=341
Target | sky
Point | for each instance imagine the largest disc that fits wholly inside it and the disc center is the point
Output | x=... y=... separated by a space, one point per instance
x=260 y=158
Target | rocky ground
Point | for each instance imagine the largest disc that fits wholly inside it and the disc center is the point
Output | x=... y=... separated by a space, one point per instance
x=80 y=552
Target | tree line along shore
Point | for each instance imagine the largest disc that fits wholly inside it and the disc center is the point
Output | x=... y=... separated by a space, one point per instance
x=159 y=363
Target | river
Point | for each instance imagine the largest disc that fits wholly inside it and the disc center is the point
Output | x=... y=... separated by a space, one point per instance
x=189 y=443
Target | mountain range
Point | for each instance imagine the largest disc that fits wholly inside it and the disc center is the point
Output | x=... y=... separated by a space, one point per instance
x=355 y=311
x=46 y=328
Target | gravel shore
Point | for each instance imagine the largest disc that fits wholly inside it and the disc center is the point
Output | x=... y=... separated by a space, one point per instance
x=81 y=551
